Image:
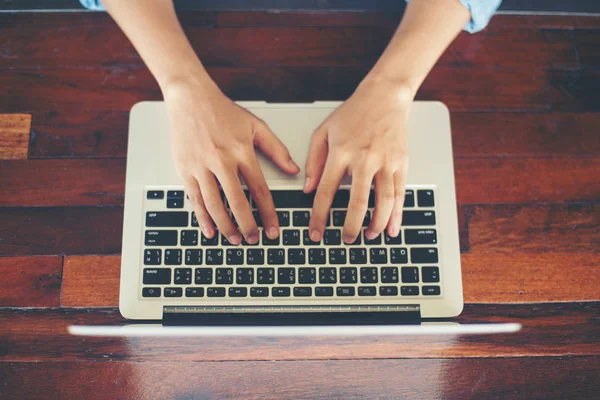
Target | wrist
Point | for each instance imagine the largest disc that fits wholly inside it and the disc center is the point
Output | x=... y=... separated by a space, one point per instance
x=404 y=89
x=191 y=77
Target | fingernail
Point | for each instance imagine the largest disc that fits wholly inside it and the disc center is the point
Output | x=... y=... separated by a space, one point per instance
x=273 y=232
x=293 y=165
x=306 y=183
x=235 y=239
x=207 y=231
x=370 y=235
x=395 y=228
x=348 y=240
x=315 y=235
x=253 y=239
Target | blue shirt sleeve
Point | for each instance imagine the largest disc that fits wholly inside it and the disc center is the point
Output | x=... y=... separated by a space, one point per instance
x=481 y=12
x=92 y=5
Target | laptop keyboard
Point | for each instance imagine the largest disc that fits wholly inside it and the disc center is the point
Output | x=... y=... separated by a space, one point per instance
x=180 y=262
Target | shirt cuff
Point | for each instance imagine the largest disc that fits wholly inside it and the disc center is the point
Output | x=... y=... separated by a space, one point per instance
x=481 y=12
x=94 y=5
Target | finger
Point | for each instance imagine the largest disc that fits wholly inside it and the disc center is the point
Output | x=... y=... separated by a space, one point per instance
x=317 y=157
x=357 y=206
x=395 y=223
x=328 y=185
x=384 y=203
x=274 y=148
x=192 y=189
x=215 y=207
x=261 y=195
x=239 y=205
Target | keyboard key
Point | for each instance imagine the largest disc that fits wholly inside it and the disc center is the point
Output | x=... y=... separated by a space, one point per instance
x=376 y=240
x=280 y=292
x=337 y=256
x=409 y=199
x=301 y=218
x=410 y=274
x=183 y=276
x=214 y=257
x=155 y=194
x=306 y=239
x=292 y=199
x=307 y=275
x=151 y=292
x=225 y=241
x=269 y=242
x=398 y=256
x=367 y=219
x=348 y=275
x=388 y=291
x=194 y=292
x=235 y=256
x=371 y=199
x=341 y=199
x=284 y=218
x=259 y=292
x=291 y=237
x=378 y=255
x=204 y=276
x=358 y=256
x=275 y=256
x=189 y=238
x=302 y=291
x=409 y=290
x=173 y=257
x=238 y=292
x=368 y=275
x=215 y=292
x=244 y=276
x=430 y=274
x=175 y=194
x=175 y=203
x=257 y=218
x=389 y=275
x=255 y=256
x=167 y=219
x=392 y=240
x=194 y=220
x=224 y=276
x=244 y=243
x=296 y=256
x=423 y=255
x=161 y=238
x=345 y=291
x=339 y=217
x=332 y=237
x=420 y=236
x=317 y=256
x=213 y=241
x=193 y=257
x=173 y=292
x=152 y=257
x=425 y=198
x=418 y=218
x=265 y=276
x=357 y=241
x=431 y=290
x=324 y=291
x=327 y=275
x=286 y=276
x=367 y=291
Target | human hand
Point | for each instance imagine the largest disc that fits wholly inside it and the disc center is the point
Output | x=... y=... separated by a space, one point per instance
x=213 y=141
x=365 y=138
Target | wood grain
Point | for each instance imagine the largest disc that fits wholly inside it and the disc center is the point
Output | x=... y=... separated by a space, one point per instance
x=559 y=329
x=530 y=277
x=575 y=91
x=587 y=44
x=14 y=135
x=536 y=228
x=91 y=281
x=30 y=281
x=531 y=378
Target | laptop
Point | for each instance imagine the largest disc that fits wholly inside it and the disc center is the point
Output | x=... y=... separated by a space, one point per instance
x=173 y=274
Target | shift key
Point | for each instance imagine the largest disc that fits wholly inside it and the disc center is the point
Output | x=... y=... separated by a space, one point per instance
x=161 y=238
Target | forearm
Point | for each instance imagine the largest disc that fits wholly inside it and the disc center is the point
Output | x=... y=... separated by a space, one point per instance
x=426 y=30
x=153 y=28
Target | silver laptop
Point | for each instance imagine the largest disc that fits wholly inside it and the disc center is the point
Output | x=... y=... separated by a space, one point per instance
x=170 y=270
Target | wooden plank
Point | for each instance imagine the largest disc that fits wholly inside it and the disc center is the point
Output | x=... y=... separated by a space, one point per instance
x=532 y=378
x=558 y=329
x=46 y=93
x=104 y=134
x=538 y=228
x=58 y=231
x=479 y=180
x=14 y=135
x=587 y=43
x=463 y=228
x=78 y=290
x=530 y=277
x=30 y=281
x=575 y=91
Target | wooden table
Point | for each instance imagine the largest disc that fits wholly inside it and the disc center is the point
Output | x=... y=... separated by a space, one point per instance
x=524 y=96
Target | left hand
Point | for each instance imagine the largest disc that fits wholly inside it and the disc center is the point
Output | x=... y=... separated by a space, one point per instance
x=365 y=138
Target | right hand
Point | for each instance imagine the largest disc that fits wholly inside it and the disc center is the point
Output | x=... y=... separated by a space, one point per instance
x=213 y=141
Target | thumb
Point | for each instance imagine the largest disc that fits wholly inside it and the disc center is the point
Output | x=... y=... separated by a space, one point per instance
x=273 y=148
x=315 y=162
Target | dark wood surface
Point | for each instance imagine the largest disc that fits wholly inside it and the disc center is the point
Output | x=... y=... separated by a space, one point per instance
x=525 y=113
